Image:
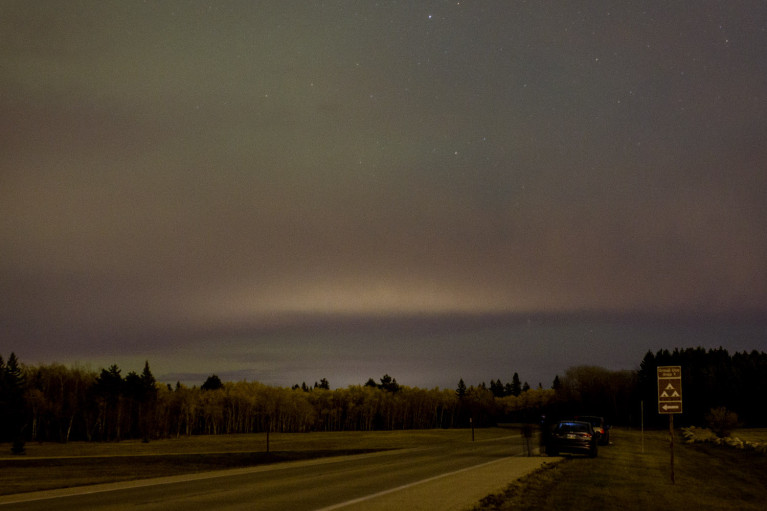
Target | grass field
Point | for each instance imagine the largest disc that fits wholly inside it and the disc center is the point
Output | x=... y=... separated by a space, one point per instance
x=51 y=465
x=250 y=443
x=624 y=477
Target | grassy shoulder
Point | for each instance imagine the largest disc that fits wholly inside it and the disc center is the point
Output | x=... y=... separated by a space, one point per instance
x=626 y=476
x=35 y=474
x=52 y=465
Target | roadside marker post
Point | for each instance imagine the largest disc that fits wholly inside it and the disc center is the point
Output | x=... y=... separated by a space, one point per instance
x=670 y=401
x=641 y=421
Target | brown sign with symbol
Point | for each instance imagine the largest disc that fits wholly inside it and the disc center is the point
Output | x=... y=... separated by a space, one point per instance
x=670 y=389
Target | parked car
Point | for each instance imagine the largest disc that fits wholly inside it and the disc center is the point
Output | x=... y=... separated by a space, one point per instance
x=574 y=437
x=600 y=428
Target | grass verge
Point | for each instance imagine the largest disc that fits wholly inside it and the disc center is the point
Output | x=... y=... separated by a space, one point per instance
x=51 y=465
x=33 y=474
x=624 y=477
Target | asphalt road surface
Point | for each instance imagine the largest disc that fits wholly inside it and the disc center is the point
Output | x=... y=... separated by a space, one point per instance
x=451 y=476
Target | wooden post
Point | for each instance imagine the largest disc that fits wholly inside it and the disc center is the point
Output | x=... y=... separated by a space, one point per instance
x=671 y=432
x=641 y=421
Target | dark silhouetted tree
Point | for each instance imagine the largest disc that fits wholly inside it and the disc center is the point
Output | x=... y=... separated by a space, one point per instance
x=108 y=390
x=497 y=388
x=4 y=424
x=212 y=383
x=389 y=384
x=132 y=397
x=147 y=402
x=461 y=390
x=516 y=385
x=12 y=404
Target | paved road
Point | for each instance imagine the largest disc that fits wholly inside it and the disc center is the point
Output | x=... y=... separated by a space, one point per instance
x=450 y=476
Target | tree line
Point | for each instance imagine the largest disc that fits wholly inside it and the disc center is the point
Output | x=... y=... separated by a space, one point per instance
x=710 y=379
x=58 y=403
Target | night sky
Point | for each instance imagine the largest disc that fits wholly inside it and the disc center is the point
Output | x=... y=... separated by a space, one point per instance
x=288 y=190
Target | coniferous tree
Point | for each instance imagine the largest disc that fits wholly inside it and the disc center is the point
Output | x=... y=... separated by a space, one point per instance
x=12 y=404
x=3 y=402
x=497 y=388
x=389 y=384
x=109 y=389
x=148 y=383
x=461 y=390
x=212 y=383
x=132 y=397
x=516 y=385
x=147 y=402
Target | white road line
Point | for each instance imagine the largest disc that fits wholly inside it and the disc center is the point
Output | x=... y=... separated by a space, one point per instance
x=405 y=487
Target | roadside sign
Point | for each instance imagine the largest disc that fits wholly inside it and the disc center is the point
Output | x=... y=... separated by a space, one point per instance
x=670 y=401
x=669 y=389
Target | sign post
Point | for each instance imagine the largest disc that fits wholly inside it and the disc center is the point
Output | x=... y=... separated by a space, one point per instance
x=670 y=400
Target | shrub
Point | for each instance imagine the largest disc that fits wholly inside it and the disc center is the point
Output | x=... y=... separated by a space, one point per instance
x=18 y=447
x=722 y=421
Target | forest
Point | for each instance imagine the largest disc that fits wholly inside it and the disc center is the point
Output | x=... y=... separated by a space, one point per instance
x=58 y=403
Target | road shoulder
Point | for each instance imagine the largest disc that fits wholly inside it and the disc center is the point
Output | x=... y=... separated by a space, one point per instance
x=454 y=491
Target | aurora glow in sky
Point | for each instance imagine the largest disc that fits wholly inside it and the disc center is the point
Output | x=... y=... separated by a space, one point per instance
x=290 y=190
